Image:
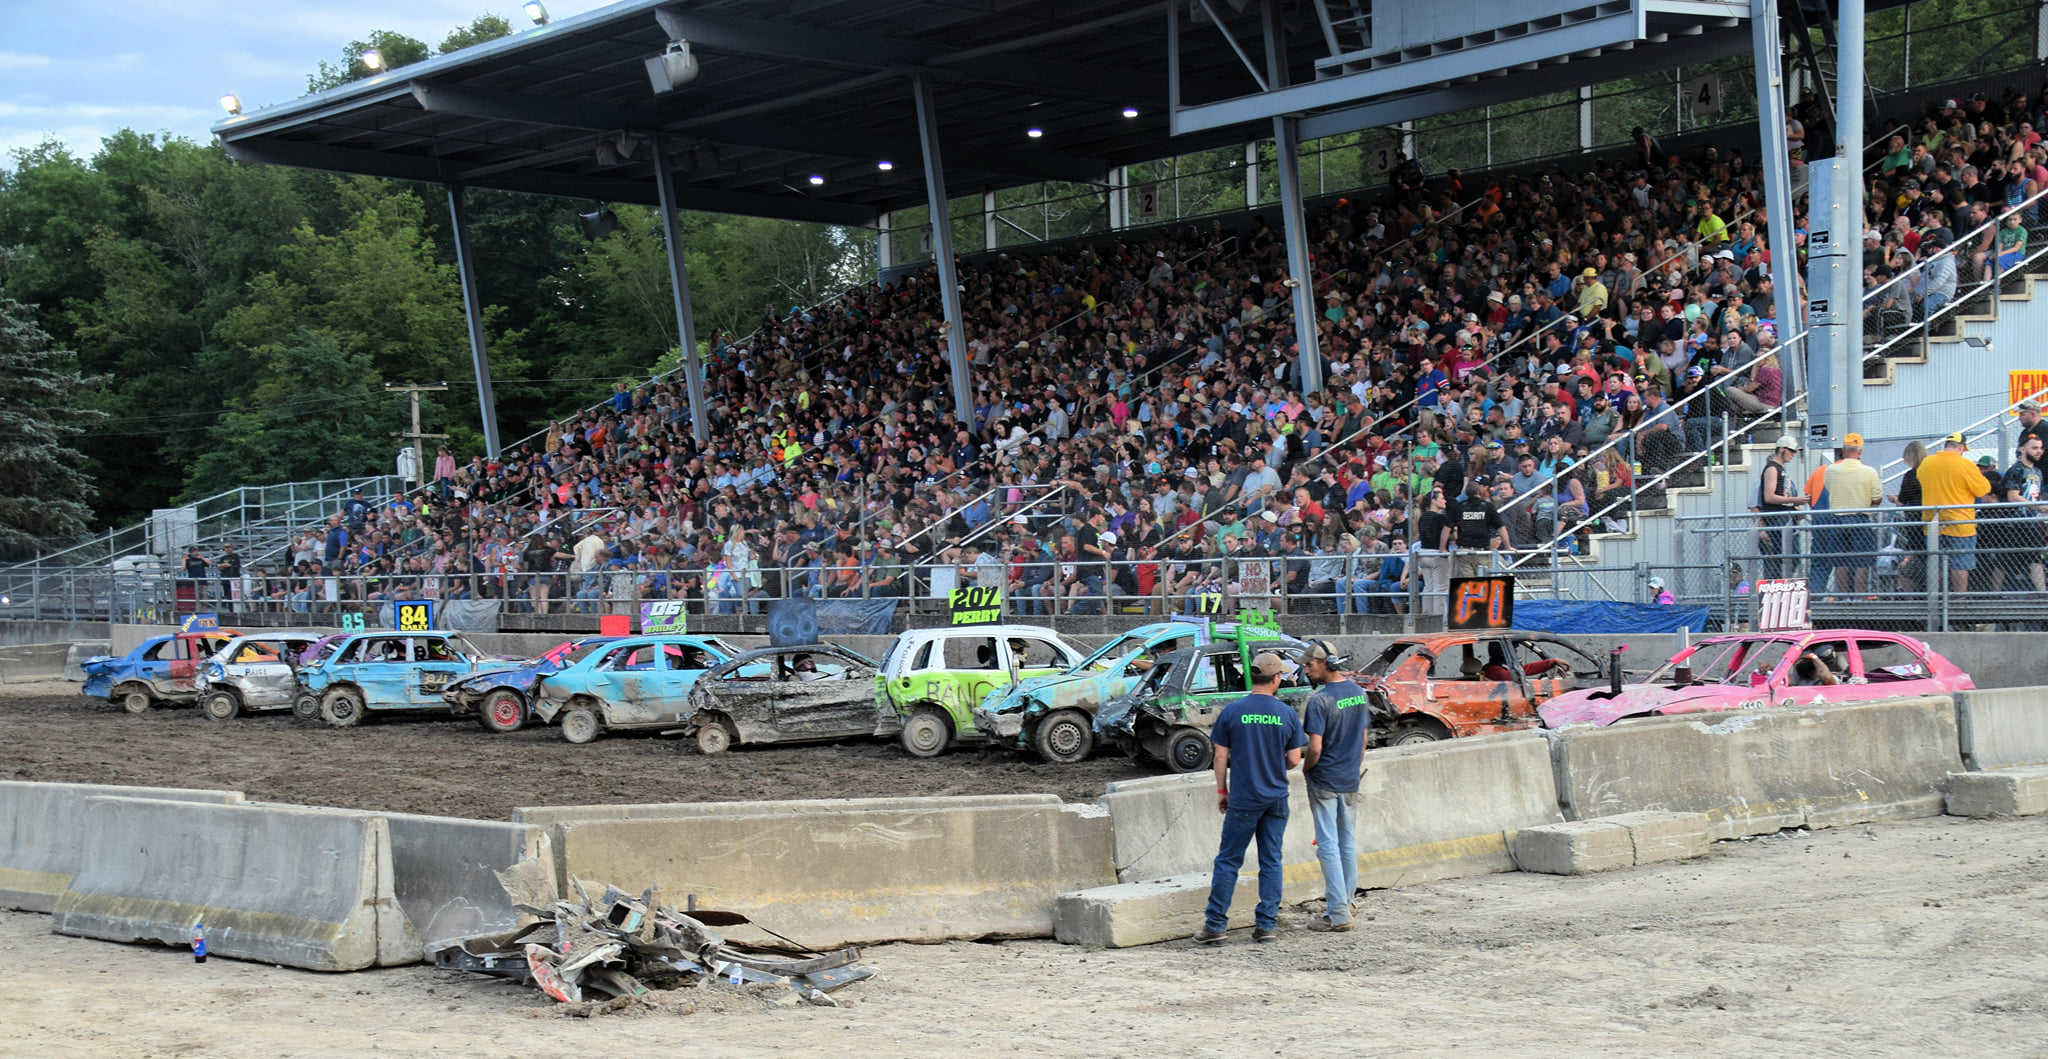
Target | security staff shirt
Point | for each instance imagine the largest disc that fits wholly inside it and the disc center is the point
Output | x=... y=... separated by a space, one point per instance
x=1258 y=730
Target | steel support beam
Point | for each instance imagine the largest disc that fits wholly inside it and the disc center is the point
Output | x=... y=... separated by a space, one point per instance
x=1770 y=80
x=942 y=250
x=1850 y=104
x=1287 y=150
x=473 y=313
x=679 y=284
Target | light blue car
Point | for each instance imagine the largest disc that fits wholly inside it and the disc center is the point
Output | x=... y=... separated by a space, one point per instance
x=632 y=682
x=390 y=671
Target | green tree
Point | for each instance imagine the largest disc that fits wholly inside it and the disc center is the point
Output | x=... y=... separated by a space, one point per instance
x=306 y=408
x=46 y=499
x=397 y=50
x=480 y=29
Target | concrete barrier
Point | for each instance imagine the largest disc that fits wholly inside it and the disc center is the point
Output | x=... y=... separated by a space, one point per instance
x=43 y=824
x=850 y=871
x=28 y=663
x=2003 y=728
x=444 y=869
x=301 y=887
x=1757 y=771
x=1436 y=811
x=2018 y=791
x=1580 y=847
x=74 y=659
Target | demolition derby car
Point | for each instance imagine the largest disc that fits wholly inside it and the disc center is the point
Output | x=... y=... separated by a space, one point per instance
x=1168 y=716
x=389 y=671
x=1455 y=684
x=1054 y=715
x=160 y=669
x=810 y=694
x=1753 y=670
x=933 y=678
x=503 y=699
x=252 y=672
x=630 y=682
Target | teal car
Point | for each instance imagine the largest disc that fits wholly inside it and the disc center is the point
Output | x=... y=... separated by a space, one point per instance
x=631 y=682
x=1054 y=715
x=390 y=671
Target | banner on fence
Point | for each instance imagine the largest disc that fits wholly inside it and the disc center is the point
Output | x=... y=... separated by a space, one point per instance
x=1571 y=617
x=856 y=617
x=793 y=622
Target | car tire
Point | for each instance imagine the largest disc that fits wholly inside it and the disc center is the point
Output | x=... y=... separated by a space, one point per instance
x=1065 y=737
x=1413 y=733
x=502 y=711
x=306 y=706
x=581 y=725
x=715 y=736
x=926 y=734
x=342 y=707
x=136 y=701
x=221 y=706
x=1188 y=750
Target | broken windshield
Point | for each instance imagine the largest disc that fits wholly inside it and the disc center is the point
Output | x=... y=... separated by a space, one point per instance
x=1730 y=662
x=1390 y=658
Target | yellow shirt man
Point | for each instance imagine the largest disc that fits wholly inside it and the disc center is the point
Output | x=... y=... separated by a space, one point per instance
x=1948 y=477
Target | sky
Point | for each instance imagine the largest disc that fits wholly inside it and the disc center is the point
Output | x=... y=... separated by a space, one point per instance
x=77 y=70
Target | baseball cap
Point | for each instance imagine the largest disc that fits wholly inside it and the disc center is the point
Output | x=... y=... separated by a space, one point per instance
x=1954 y=439
x=1108 y=538
x=1267 y=666
x=1852 y=441
x=2030 y=406
x=1788 y=443
x=1986 y=461
x=1269 y=516
x=1588 y=274
x=1657 y=583
x=1326 y=652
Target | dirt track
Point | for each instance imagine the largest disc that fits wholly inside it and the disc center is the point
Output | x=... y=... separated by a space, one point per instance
x=456 y=768
x=1911 y=939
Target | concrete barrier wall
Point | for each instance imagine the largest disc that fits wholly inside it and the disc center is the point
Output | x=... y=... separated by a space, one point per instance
x=2004 y=727
x=444 y=874
x=1436 y=811
x=855 y=871
x=21 y=632
x=43 y=826
x=1757 y=771
x=74 y=659
x=301 y=887
x=27 y=663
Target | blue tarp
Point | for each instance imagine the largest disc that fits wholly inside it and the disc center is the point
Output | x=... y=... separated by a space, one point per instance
x=1567 y=617
x=861 y=617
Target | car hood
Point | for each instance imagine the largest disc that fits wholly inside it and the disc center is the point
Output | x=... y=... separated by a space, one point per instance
x=1052 y=691
x=521 y=677
x=1580 y=707
x=101 y=663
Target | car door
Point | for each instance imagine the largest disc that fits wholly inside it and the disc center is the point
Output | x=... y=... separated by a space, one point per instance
x=183 y=666
x=257 y=670
x=154 y=666
x=1217 y=679
x=827 y=703
x=435 y=663
x=682 y=665
x=1791 y=688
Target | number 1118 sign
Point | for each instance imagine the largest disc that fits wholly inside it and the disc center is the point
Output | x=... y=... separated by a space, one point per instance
x=1782 y=605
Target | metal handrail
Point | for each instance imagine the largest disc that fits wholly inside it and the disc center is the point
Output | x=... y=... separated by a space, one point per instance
x=235 y=499
x=1962 y=296
x=1966 y=432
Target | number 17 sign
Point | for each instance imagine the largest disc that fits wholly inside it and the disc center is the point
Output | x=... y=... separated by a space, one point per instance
x=1481 y=603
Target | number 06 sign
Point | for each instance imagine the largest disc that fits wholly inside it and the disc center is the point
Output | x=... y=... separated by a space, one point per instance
x=664 y=616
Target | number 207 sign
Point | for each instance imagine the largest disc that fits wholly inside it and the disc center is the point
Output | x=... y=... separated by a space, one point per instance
x=664 y=616
x=1782 y=605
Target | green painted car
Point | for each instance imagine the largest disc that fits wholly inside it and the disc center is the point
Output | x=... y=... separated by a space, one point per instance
x=1167 y=717
x=934 y=678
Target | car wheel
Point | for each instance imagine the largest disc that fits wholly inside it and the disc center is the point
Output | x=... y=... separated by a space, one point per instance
x=581 y=725
x=136 y=701
x=714 y=736
x=221 y=706
x=342 y=707
x=503 y=711
x=1410 y=733
x=925 y=734
x=306 y=706
x=1065 y=737
x=1189 y=751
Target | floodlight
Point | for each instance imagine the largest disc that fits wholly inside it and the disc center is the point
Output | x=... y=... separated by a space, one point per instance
x=885 y=165
x=536 y=11
x=231 y=103
x=373 y=59
x=1130 y=112
x=1034 y=132
x=673 y=68
x=816 y=179
x=598 y=224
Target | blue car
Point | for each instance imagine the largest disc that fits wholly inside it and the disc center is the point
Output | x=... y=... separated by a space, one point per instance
x=159 y=669
x=390 y=671
x=632 y=682
x=501 y=698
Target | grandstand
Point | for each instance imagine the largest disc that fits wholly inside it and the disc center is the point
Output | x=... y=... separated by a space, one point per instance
x=1105 y=413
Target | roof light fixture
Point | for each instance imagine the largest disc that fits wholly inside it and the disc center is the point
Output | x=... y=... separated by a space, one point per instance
x=885 y=165
x=536 y=11
x=373 y=59
x=1130 y=112
x=231 y=103
x=816 y=179
x=1034 y=132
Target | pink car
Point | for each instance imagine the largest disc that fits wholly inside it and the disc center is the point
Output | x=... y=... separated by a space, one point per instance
x=1751 y=670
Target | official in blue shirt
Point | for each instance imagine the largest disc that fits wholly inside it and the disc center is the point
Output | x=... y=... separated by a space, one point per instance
x=1258 y=738
x=1336 y=719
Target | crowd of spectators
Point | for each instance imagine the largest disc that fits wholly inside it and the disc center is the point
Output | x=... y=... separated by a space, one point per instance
x=1504 y=356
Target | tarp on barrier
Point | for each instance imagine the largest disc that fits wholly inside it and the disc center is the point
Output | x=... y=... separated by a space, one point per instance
x=460 y=615
x=1567 y=617
x=857 y=617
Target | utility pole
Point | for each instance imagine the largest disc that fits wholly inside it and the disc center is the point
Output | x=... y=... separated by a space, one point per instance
x=413 y=390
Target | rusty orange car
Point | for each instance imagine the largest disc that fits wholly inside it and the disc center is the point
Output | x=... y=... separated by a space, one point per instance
x=1447 y=685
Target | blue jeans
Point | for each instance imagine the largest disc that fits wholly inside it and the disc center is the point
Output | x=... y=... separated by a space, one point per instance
x=1336 y=820
x=1269 y=824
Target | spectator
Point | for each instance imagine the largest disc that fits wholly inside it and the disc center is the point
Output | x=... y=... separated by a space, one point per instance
x=1950 y=485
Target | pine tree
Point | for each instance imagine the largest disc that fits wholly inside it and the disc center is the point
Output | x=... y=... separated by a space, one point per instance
x=43 y=491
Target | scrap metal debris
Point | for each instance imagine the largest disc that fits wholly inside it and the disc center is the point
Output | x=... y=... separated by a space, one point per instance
x=618 y=947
